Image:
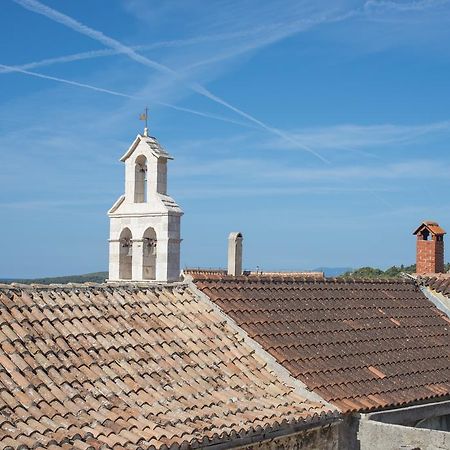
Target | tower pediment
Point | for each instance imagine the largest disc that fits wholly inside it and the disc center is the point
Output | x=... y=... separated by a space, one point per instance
x=159 y=204
x=150 y=143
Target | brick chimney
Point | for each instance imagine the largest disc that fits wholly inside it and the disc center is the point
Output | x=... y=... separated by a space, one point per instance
x=430 y=248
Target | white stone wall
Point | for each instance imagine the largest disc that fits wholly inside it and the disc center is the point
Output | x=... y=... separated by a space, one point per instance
x=235 y=254
x=376 y=435
x=159 y=212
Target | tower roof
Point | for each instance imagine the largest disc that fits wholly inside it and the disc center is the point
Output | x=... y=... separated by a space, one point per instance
x=155 y=147
x=432 y=227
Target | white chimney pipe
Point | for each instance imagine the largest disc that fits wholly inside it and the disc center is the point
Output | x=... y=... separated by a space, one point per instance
x=235 y=254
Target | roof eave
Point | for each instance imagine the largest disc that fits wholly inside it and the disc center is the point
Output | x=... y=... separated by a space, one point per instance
x=434 y=229
x=131 y=149
x=116 y=205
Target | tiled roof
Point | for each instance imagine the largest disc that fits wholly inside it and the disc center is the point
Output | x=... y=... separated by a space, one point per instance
x=152 y=142
x=439 y=282
x=432 y=226
x=91 y=367
x=297 y=275
x=358 y=344
x=195 y=271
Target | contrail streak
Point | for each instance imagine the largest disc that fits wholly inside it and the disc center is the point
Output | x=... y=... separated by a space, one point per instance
x=62 y=59
x=281 y=31
x=203 y=114
x=272 y=130
x=119 y=94
x=419 y=5
x=37 y=7
x=92 y=54
x=62 y=80
x=267 y=35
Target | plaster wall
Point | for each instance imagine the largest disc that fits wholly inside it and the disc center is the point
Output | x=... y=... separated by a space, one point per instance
x=167 y=229
x=235 y=254
x=376 y=435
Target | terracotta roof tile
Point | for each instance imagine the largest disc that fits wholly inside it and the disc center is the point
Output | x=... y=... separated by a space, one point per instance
x=273 y=276
x=128 y=367
x=439 y=282
x=358 y=344
x=431 y=226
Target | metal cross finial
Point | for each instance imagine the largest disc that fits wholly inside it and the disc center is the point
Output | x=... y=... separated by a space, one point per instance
x=144 y=116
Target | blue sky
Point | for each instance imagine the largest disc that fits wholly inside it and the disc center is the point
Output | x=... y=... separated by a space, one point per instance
x=318 y=129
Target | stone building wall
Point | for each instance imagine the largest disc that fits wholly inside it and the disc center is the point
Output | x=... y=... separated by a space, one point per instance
x=417 y=427
x=324 y=438
x=376 y=435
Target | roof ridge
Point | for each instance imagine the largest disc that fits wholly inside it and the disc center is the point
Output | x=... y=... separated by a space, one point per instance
x=291 y=277
x=89 y=285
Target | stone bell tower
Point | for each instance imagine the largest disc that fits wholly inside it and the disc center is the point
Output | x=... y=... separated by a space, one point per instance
x=144 y=242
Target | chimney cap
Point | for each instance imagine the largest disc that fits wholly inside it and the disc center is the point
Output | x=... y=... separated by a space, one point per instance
x=235 y=235
x=432 y=227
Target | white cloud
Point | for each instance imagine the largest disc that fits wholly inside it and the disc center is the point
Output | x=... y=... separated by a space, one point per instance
x=264 y=191
x=420 y=169
x=250 y=170
x=352 y=136
x=410 y=6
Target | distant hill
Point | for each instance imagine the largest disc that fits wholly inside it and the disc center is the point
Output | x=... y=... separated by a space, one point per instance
x=373 y=272
x=95 y=277
x=333 y=271
x=340 y=272
x=391 y=272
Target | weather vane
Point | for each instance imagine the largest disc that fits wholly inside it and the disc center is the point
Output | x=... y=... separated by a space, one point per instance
x=144 y=116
